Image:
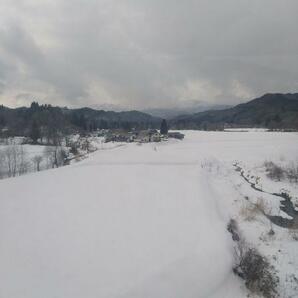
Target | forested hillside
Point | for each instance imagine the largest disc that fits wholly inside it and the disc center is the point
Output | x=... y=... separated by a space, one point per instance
x=52 y=120
x=273 y=111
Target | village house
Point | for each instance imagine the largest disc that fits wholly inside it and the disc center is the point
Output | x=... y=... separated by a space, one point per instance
x=176 y=135
x=119 y=135
x=149 y=135
x=139 y=136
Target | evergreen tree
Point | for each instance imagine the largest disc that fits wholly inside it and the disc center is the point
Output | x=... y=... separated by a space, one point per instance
x=2 y=121
x=83 y=122
x=34 y=106
x=103 y=124
x=35 y=132
x=164 y=127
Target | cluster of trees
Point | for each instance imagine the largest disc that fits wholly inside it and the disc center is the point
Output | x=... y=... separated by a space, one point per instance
x=2 y=119
x=42 y=122
x=15 y=160
x=82 y=121
x=200 y=125
x=47 y=124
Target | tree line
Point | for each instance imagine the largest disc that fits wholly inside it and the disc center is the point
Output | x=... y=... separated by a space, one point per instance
x=49 y=123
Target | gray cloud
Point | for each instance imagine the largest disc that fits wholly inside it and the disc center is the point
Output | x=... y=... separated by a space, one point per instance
x=141 y=53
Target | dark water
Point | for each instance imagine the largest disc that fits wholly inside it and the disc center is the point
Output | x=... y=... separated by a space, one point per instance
x=286 y=205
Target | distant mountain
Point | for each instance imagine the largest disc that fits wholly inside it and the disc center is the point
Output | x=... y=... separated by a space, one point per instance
x=174 y=112
x=52 y=120
x=273 y=111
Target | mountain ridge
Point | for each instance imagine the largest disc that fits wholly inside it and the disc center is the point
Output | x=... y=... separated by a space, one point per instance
x=18 y=121
x=272 y=110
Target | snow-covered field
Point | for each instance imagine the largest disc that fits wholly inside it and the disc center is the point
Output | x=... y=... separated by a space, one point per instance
x=143 y=221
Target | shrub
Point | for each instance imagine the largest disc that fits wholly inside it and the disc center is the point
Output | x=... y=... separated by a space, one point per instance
x=74 y=149
x=260 y=277
x=274 y=171
x=292 y=173
x=233 y=229
x=278 y=173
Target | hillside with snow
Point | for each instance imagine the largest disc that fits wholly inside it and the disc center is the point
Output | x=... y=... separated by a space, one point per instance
x=149 y=220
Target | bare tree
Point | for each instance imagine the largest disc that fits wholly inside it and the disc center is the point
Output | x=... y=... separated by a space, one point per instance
x=37 y=161
x=2 y=165
x=13 y=160
x=48 y=153
x=85 y=145
x=22 y=161
x=55 y=156
x=10 y=160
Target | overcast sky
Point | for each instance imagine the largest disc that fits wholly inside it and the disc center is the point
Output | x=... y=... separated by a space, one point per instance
x=146 y=53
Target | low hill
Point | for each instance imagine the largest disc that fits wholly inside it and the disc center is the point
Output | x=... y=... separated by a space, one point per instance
x=274 y=111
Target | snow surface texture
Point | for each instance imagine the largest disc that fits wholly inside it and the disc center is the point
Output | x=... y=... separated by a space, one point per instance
x=133 y=221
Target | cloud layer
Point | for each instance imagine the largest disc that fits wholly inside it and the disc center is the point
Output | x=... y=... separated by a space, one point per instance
x=146 y=53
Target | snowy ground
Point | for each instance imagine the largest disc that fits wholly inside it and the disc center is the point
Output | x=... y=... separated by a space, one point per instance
x=30 y=152
x=141 y=221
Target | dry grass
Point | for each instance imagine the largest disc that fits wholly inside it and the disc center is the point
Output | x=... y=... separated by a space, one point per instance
x=251 y=211
x=293 y=234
